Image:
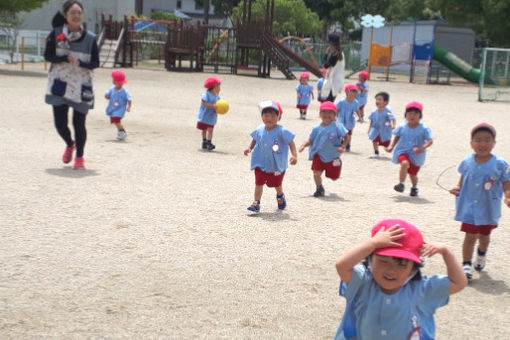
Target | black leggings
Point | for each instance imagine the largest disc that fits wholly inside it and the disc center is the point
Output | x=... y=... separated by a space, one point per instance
x=331 y=98
x=80 y=133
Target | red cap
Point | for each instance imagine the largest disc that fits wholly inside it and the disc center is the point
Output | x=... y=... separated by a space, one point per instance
x=304 y=75
x=324 y=70
x=118 y=77
x=483 y=126
x=363 y=74
x=211 y=82
x=414 y=105
x=411 y=242
x=351 y=87
x=328 y=106
x=279 y=109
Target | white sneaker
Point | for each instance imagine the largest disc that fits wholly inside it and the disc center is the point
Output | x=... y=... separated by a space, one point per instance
x=468 y=271
x=375 y=155
x=479 y=263
x=121 y=135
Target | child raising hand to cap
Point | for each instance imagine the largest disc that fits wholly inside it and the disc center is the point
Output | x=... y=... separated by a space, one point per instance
x=387 y=296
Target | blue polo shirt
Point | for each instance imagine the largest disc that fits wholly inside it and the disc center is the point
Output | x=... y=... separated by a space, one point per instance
x=409 y=138
x=207 y=115
x=305 y=91
x=346 y=113
x=118 y=102
x=271 y=150
x=362 y=95
x=479 y=201
x=381 y=124
x=372 y=314
x=326 y=140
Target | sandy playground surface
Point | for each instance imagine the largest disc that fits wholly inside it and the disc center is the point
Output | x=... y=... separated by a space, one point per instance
x=153 y=239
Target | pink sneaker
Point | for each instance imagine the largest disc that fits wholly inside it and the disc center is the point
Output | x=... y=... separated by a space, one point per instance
x=68 y=153
x=79 y=163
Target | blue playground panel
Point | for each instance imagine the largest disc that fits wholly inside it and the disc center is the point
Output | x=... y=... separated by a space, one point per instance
x=423 y=52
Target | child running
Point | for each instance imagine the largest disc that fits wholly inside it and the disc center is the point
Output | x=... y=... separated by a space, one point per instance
x=320 y=84
x=304 y=92
x=347 y=110
x=411 y=140
x=119 y=102
x=270 y=145
x=382 y=122
x=387 y=296
x=362 y=94
x=207 y=115
x=484 y=179
x=326 y=145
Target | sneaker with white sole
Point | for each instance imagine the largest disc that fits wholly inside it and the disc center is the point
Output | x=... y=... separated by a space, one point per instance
x=479 y=263
x=468 y=271
x=121 y=135
x=375 y=155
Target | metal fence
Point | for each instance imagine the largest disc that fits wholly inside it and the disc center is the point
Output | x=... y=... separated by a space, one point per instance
x=35 y=42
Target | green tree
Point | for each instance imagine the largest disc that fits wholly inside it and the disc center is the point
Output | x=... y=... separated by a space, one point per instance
x=290 y=17
x=17 y=6
x=488 y=18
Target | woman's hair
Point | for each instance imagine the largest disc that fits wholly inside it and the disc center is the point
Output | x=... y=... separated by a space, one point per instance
x=334 y=41
x=416 y=267
x=69 y=3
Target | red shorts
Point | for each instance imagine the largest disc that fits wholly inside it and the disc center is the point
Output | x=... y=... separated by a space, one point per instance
x=115 y=120
x=203 y=126
x=302 y=107
x=378 y=140
x=477 y=229
x=361 y=107
x=413 y=169
x=322 y=100
x=268 y=178
x=332 y=171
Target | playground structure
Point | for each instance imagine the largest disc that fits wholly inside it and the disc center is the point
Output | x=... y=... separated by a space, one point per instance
x=187 y=47
x=494 y=79
x=419 y=49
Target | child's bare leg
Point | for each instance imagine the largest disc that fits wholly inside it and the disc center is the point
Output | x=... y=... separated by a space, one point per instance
x=204 y=134
x=414 y=180
x=468 y=246
x=119 y=126
x=483 y=242
x=376 y=146
x=258 y=192
x=404 y=166
x=317 y=177
x=209 y=133
x=279 y=190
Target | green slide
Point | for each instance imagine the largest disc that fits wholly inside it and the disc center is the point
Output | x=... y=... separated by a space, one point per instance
x=456 y=64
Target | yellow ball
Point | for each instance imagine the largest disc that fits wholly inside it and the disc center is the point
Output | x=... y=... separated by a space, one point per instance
x=221 y=106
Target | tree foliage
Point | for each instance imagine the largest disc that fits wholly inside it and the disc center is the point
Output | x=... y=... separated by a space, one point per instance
x=16 y=6
x=289 y=17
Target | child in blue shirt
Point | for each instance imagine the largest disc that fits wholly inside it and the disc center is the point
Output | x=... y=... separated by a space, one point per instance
x=207 y=115
x=304 y=94
x=483 y=181
x=348 y=110
x=382 y=122
x=387 y=296
x=411 y=140
x=327 y=141
x=320 y=84
x=270 y=145
x=119 y=102
x=362 y=93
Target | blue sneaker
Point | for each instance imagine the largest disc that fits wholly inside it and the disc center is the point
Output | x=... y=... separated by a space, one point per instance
x=281 y=201
x=255 y=206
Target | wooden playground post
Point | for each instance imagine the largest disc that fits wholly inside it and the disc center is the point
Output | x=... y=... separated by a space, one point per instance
x=23 y=53
x=370 y=51
x=389 y=60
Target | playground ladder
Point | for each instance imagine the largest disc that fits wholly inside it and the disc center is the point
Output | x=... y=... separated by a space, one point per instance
x=274 y=52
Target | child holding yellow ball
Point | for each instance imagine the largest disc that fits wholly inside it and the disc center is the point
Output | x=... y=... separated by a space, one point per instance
x=207 y=115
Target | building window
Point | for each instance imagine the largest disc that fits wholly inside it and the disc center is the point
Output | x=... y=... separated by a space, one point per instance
x=179 y=4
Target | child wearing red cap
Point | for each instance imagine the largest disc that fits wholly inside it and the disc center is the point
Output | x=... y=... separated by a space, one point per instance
x=304 y=92
x=411 y=140
x=348 y=110
x=270 y=145
x=327 y=141
x=362 y=96
x=320 y=84
x=207 y=115
x=119 y=102
x=484 y=179
x=387 y=296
